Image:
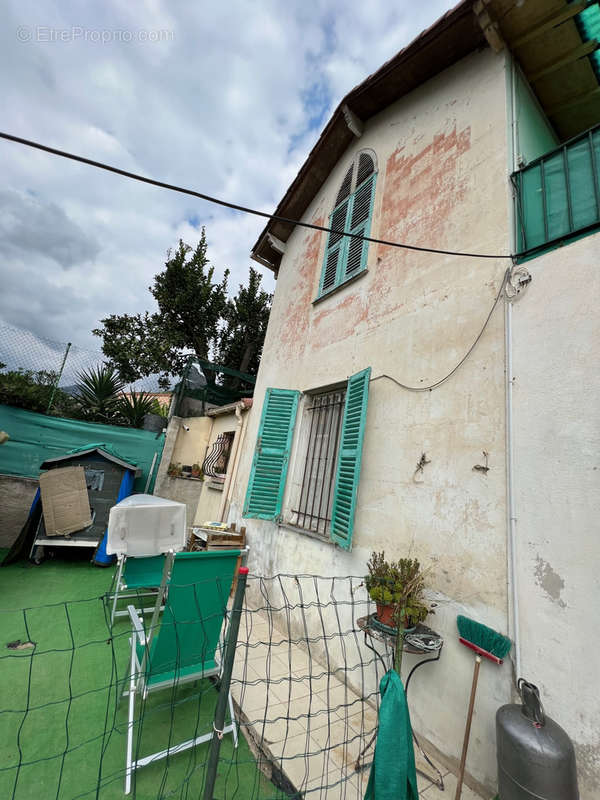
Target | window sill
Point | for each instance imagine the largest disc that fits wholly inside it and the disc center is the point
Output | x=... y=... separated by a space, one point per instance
x=340 y=286
x=320 y=537
x=555 y=244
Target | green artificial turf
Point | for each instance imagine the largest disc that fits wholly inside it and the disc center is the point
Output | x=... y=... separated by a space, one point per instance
x=61 y=718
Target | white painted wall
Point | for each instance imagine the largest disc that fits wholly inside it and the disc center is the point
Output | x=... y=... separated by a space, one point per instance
x=185 y=443
x=556 y=342
x=442 y=182
x=212 y=495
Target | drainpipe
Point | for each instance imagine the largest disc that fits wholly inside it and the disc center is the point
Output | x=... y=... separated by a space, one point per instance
x=233 y=459
x=513 y=588
x=514 y=122
x=510 y=489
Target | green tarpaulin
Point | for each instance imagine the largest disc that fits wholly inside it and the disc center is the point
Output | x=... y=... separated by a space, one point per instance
x=393 y=775
x=36 y=437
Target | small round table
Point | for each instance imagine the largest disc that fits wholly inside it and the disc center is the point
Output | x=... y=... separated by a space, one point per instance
x=422 y=640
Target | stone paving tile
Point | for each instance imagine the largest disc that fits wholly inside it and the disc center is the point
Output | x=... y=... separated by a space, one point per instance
x=309 y=707
x=244 y=671
x=301 y=760
x=334 y=787
x=252 y=697
x=292 y=689
x=359 y=780
x=278 y=726
x=343 y=746
x=433 y=792
x=318 y=753
x=363 y=720
x=268 y=664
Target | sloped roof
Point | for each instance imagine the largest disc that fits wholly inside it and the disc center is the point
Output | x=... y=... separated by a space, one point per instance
x=449 y=39
x=107 y=451
x=230 y=407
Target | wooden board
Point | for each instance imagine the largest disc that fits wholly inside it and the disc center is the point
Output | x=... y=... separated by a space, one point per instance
x=225 y=541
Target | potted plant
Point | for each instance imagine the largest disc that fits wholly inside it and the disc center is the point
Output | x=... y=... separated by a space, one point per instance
x=196 y=471
x=174 y=470
x=397 y=588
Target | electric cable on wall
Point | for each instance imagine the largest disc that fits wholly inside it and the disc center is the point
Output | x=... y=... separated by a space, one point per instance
x=234 y=206
x=432 y=386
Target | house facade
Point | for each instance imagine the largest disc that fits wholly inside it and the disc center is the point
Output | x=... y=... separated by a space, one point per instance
x=442 y=405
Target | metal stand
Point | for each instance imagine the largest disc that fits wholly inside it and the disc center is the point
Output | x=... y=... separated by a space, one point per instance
x=420 y=641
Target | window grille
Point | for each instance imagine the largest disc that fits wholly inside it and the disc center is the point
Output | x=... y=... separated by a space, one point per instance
x=215 y=463
x=314 y=507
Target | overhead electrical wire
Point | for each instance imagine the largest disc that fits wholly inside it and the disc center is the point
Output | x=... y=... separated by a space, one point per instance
x=432 y=386
x=234 y=206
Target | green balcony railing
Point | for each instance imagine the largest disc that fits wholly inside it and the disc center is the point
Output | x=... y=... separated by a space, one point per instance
x=558 y=195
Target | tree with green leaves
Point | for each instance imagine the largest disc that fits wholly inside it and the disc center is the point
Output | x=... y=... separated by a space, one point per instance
x=32 y=390
x=191 y=305
x=134 y=406
x=98 y=392
x=245 y=320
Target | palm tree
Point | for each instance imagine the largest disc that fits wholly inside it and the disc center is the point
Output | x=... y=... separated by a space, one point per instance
x=98 y=393
x=134 y=406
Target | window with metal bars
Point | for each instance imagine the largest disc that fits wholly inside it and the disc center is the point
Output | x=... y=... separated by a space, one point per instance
x=324 y=422
x=345 y=256
x=217 y=459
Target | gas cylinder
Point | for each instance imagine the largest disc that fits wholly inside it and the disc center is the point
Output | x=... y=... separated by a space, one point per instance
x=536 y=758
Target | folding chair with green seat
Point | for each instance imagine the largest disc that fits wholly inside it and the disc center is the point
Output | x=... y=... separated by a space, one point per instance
x=134 y=575
x=141 y=528
x=181 y=645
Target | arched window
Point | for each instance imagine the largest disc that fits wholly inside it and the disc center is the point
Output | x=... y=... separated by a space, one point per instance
x=345 y=257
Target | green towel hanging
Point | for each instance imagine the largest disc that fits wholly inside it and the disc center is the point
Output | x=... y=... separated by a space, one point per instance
x=393 y=775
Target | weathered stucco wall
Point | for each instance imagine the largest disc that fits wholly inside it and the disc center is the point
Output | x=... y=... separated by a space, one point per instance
x=183 y=447
x=556 y=336
x=212 y=495
x=441 y=182
x=190 y=447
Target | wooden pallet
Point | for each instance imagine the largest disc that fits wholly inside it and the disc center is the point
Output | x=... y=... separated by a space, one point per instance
x=226 y=540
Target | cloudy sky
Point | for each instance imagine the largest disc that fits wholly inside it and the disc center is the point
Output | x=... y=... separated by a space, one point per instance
x=223 y=97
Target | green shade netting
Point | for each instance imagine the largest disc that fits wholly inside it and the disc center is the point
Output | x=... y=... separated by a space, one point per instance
x=108 y=448
x=34 y=438
x=393 y=775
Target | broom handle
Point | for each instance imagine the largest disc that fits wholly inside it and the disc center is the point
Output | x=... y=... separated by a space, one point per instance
x=463 y=758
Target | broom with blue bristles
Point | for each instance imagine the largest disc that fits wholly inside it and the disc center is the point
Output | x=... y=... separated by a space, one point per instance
x=486 y=643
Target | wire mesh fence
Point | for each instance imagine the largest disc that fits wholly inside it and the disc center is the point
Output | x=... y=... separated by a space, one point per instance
x=25 y=350
x=304 y=689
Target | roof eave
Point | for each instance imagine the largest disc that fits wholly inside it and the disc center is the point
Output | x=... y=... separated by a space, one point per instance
x=244 y=405
x=108 y=456
x=448 y=40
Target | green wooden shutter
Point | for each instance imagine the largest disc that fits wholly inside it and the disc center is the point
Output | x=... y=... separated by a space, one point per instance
x=349 y=458
x=360 y=224
x=336 y=246
x=269 y=468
